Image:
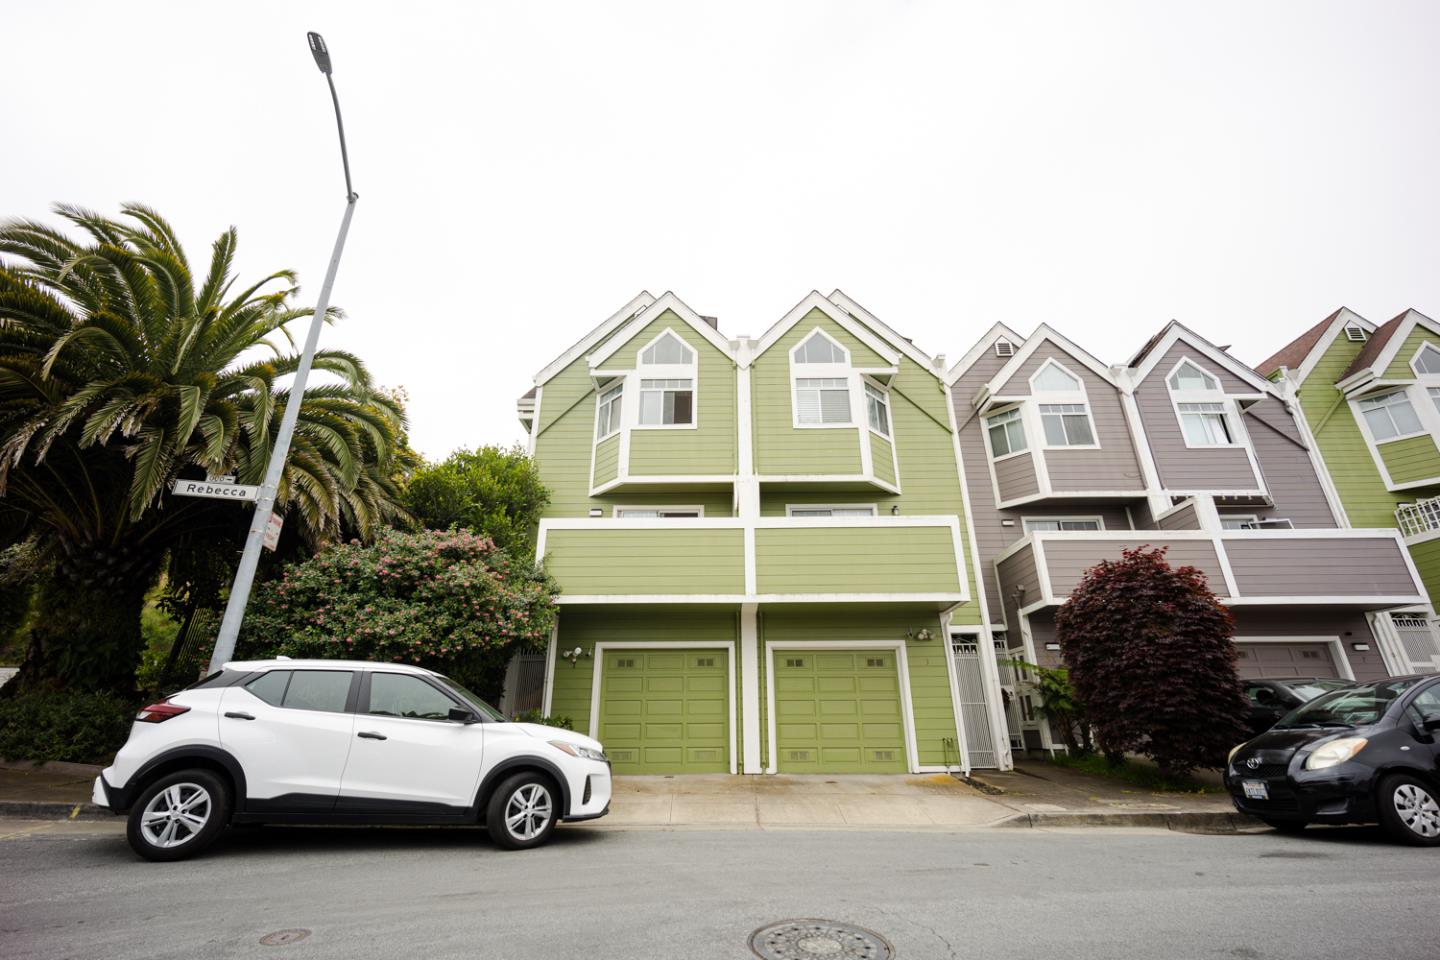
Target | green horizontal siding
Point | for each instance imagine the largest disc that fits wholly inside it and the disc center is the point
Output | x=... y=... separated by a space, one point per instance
x=1400 y=368
x=882 y=458
x=855 y=560
x=712 y=448
x=652 y=561
x=1412 y=460
x=607 y=460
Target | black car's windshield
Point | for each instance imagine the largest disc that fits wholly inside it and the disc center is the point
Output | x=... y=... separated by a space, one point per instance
x=1351 y=706
x=481 y=707
x=1307 y=690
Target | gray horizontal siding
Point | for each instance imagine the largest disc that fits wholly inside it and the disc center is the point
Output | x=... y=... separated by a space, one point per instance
x=1067 y=560
x=1181 y=467
x=1181 y=518
x=1016 y=477
x=1289 y=472
x=1014 y=573
x=1284 y=567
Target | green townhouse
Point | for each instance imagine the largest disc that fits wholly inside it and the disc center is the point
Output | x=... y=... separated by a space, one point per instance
x=1371 y=398
x=762 y=547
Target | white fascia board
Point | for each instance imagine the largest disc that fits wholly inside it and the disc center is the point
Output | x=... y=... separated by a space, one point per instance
x=641 y=300
x=983 y=345
x=815 y=300
x=1344 y=318
x=1177 y=332
x=667 y=301
x=1043 y=334
x=846 y=303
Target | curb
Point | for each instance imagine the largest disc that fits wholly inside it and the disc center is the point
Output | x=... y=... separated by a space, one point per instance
x=51 y=810
x=54 y=766
x=1185 y=822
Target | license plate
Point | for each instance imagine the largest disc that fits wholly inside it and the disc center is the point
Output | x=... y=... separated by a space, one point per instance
x=1256 y=789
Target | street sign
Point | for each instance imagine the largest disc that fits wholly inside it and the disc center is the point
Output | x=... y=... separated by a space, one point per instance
x=216 y=491
x=272 y=530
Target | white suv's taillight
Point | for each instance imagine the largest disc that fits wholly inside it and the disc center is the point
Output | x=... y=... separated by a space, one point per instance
x=160 y=712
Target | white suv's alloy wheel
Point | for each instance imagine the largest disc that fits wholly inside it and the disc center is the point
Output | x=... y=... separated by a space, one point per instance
x=1418 y=810
x=528 y=811
x=176 y=814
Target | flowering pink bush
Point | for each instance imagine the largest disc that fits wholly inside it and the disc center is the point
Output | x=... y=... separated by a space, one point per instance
x=451 y=601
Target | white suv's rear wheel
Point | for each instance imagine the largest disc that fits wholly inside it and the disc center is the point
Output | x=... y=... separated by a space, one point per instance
x=522 y=811
x=178 y=815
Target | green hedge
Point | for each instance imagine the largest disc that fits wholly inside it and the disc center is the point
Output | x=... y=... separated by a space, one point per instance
x=79 y=727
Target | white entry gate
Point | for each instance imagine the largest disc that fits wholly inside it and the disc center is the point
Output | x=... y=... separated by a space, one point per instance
x=974 y=711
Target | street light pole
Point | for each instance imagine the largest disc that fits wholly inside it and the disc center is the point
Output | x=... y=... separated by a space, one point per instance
x=265 y=505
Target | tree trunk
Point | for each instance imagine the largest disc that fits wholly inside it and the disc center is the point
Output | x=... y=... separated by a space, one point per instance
x=86 y=633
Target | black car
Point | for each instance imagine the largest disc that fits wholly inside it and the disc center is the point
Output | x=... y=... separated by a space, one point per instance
x=1270 y=698
x=1366 y=753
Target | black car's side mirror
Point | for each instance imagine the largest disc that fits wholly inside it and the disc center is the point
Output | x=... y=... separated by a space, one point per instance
x=463 y=716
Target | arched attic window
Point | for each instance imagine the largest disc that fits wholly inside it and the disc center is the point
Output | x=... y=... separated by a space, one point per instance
x=667 y=382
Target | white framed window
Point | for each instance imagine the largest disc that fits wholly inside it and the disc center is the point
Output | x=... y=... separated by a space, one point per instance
x=822 y=400
x=657 y=513
x=1434 y=393
x=1053 y=378
x=1061 y=524
x=667 y=402
x=819 y=348
x=877 y=409
x=1356 y=333
x=1205 y=424
x=1390 y=416
x=1007 y=433
x=1426 y=361
x=830 y=510
x=1270 y=523
x=607 y=414
x=667 y=349
x=1189 y=378
x=1237 y=521
x=1066 y=425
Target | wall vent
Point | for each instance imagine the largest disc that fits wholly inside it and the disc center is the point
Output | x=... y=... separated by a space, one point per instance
x=625 y=662
x=1004 y=348
x=883 y=755
x=794 y=661
x=799 y=755
x=1356 y=333
x=704 y=661
x=874 y=662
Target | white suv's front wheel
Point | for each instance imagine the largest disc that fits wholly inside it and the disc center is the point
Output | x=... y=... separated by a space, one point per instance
x=178 y=815
x=522 y=811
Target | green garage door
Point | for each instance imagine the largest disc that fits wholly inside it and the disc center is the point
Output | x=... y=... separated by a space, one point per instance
x=838 y=712
x=666 y=711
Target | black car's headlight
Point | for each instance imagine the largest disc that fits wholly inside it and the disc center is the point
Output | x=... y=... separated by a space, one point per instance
x=1334 y=752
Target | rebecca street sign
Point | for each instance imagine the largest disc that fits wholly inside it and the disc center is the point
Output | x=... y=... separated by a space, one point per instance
x=216 y=491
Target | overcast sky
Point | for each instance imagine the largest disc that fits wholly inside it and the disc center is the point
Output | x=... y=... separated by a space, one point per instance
x=526 y=168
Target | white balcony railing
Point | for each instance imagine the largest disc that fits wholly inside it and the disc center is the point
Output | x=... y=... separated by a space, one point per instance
x=1420 y=517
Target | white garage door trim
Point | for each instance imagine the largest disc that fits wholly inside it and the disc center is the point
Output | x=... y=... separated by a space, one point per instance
x=907 y=714
x=1337 y=649
x=726 y=645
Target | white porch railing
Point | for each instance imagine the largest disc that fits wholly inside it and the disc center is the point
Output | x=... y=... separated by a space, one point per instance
x=1422 y=516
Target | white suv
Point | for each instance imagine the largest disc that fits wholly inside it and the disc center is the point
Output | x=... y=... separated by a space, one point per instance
x=332 y=741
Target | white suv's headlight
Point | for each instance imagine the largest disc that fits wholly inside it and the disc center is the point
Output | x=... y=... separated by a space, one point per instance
x=575 y=750
x=1335 y=752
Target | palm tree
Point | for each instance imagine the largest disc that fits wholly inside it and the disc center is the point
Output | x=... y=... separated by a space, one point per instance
x=119 y=373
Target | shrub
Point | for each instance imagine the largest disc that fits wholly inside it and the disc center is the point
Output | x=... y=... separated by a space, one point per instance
x=449 y=601
x=492 y=491
x=535 y=716
x=1152 y=663
x=65 y=725
x=1058 y=704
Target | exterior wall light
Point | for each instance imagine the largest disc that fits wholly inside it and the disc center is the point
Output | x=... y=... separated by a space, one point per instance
x=923 y=635
x=574 y=655
x=1360 y=646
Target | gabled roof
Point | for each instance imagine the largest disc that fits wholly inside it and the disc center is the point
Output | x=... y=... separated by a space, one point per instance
x=1294 y=353
x=1173 y=332
x=1046 y=334
x=902 y=343
x=996 y=331
x=668 y=301
x=577 y=350
x=1371 y=351
x=814 y=300
x=1384 y=343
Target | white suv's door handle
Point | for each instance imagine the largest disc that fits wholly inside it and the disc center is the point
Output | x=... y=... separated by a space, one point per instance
x=237 y=715
x=371 y=735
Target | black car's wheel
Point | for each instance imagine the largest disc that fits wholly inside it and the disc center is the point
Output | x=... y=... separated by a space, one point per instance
x=178 y=815
x=522 y=811
x=1409 y=810
x=1284 y=826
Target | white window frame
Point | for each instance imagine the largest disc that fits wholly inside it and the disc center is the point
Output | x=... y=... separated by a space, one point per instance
x=618 y=389
x=660 y=512
x=1414 y=408
x=1415 y=360
x=1025 y=524
x=883 y=398
x=1228 y=409
x=1078 y=396
x=1238 y=517
x=790 y=508
x=667 y=371
x=1019 y=417
x=824 y=371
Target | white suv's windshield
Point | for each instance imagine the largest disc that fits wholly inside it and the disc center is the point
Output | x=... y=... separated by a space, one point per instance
x=481 y=707
x=1354 y=706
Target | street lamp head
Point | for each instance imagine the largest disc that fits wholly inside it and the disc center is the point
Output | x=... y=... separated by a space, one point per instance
x=319 y=51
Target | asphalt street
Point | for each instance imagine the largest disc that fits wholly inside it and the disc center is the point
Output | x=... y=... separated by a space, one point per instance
x=75 y=891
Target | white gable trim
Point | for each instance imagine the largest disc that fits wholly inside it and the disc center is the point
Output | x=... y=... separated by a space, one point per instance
x=813 y=300
x=667 y=301
x=846 y=303
x=1388 y=353
x=1043 y=334
x=982 y=347
x=1343 y=319
x=1178 y=332
x=642 y=300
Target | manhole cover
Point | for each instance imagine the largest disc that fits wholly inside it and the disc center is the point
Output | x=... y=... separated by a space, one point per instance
x=281 y=938
x=808 y=939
